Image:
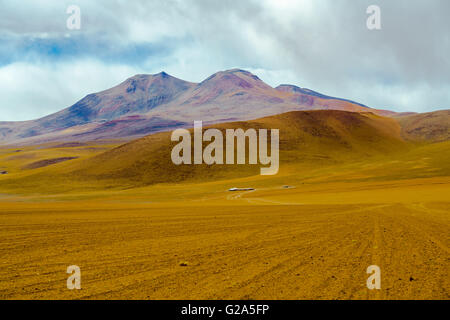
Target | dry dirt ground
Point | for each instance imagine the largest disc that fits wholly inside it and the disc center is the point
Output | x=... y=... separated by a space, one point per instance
x=141 y=229
x=295 y=243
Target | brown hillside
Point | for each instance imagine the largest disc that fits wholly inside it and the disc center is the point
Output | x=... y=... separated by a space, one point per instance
x=431 y=126
x=306 y=138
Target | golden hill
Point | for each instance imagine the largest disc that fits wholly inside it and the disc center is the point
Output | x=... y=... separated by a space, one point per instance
x=307 y=139
x=321 y=141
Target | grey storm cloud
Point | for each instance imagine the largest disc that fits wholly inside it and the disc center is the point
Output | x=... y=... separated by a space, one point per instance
x=320 y=44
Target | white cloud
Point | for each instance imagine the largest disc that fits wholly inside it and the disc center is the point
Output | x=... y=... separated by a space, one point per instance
x=30 y=91
x=322 y=45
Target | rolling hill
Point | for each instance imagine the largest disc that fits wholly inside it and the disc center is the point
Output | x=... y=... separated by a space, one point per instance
x=430 y=126
x=308 y=140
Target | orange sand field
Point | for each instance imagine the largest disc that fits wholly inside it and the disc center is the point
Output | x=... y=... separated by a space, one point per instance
x=242 y=246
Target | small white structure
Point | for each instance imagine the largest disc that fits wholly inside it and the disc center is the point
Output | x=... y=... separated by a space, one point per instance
x=241 y=189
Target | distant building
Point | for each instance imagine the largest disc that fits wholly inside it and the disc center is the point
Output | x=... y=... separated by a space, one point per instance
x=241 y=189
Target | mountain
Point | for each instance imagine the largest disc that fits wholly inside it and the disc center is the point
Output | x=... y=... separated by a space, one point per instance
x=145 y=104
x=109 y=110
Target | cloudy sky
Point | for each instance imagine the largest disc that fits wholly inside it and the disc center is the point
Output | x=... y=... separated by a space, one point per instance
x=323 y=45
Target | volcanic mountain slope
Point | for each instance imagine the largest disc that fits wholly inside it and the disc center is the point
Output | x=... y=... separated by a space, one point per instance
x=107 y=111
x=150 y=103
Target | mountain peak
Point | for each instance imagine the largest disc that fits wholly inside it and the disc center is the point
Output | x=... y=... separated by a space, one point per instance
x=144 y=76
x=159 y=85
x=234 y=79
x=163 y=74
x=241 y=72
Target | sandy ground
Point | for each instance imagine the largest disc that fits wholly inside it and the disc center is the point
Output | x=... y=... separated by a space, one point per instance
x=196 y=240
x=224 y=249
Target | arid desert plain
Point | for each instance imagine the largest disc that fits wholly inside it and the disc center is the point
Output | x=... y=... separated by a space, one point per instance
x=353 y=190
